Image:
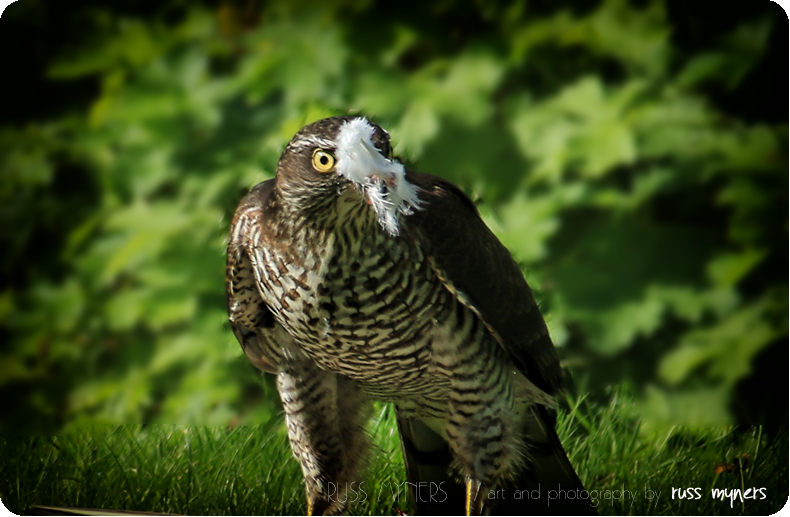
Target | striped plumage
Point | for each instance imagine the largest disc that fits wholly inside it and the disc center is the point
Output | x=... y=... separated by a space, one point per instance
x=353 y=279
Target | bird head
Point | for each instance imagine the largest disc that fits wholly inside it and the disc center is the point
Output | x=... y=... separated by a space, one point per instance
x=333 y=156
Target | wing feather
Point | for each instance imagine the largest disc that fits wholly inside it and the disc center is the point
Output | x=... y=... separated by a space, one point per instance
x=480 y=270
x=251 y=319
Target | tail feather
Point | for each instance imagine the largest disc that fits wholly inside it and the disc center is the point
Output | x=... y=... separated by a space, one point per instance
x=547 y=484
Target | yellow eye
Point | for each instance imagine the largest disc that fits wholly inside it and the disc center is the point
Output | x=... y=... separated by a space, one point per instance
x=323 y=161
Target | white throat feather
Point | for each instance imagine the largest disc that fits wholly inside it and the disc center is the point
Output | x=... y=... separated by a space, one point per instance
x=381 y=180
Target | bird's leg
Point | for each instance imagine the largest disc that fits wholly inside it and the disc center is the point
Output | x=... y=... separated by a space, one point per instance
x=316 y=505
x=309 y=397
x=486 y=452
x=482 y=431
x=354 y=410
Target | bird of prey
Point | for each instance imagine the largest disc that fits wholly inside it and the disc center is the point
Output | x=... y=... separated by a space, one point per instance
x=354 y=279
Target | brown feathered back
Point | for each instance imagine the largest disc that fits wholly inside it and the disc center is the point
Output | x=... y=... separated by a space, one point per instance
x=486 y=277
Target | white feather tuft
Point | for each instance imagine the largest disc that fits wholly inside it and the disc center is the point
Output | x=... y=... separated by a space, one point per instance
x=383 y=180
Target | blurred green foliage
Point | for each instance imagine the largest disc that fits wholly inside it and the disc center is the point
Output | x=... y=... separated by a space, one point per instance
x=621 y=151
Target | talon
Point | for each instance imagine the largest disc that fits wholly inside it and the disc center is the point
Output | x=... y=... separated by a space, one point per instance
x=474 y=497
x=316 y=507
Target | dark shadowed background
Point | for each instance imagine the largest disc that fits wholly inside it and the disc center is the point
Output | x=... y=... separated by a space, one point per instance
x=633 y=156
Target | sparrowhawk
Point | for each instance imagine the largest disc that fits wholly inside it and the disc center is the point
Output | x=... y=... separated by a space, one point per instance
x=354 y=279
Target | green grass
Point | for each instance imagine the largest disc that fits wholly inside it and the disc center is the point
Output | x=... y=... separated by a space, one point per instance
x=249 y=470
x=610 y=454
x=245 y=470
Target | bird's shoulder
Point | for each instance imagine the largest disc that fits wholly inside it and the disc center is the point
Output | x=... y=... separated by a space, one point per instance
x=475 y=265
x=251 y=320
x=251 y=210
x=255 y=224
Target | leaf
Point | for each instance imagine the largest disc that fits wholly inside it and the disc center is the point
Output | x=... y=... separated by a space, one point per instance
x=729 y=269
x=123 y=311
x=701 y=407
x=525 y=226
x=703 y=67
x=169 y=308
x=606 y=146
x=728 y=347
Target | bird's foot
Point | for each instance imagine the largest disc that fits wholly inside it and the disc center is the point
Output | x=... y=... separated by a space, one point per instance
x=317 y=506
x=475 y=497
